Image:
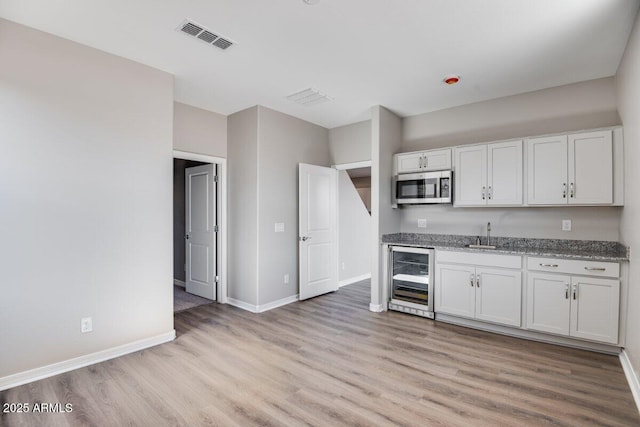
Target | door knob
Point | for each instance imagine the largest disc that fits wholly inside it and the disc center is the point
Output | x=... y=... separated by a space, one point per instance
x=304 y=238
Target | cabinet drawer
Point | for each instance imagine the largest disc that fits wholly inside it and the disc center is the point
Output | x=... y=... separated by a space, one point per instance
x=474 y=258
x=570 y=266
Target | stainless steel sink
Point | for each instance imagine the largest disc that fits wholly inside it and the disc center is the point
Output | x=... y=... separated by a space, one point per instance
x=481 y=246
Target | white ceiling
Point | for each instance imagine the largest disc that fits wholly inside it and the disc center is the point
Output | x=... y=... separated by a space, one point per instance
x=360 y=52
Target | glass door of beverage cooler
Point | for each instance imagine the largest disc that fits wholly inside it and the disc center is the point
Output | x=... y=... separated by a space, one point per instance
x=412 y=276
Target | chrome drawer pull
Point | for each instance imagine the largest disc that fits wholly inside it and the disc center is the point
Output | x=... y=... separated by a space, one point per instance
x=550 y=265
x=595 y=269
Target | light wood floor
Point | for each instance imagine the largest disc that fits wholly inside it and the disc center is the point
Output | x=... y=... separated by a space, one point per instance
x=328 y=362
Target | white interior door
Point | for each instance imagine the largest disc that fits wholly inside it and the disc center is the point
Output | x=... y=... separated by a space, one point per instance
x=317 y=227
x=200 y=237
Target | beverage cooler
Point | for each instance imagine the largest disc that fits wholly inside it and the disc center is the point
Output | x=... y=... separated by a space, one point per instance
x=411 y=274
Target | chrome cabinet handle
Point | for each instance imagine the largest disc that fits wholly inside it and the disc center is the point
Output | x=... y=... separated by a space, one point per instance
x=420 y=163
x=304 y=238
x=595 y=269
x=566 y=291
x=572 y=190
x=549 y=265
x=575 y=292
x=483 y=192
x=478 y=280
x=564 y=190
x=489 y=193
x=471 y=280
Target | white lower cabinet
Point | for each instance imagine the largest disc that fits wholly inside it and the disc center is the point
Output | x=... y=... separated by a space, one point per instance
x=575 y=306
x=478 y=292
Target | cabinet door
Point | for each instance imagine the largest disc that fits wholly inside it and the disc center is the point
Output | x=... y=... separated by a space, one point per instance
x=595 y=309
x=504 y=173
x=437 y=160
x=499 y=296
x=591 y=168
x=547 y=171
x=410 y=162
x=548 y=303
x=455 y=290
x=470 y=176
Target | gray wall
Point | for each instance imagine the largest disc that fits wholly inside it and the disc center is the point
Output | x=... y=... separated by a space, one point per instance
x=350 y=143
x=578 y=106
x=628 y=92
x=243 y=206
x=85 y=190
x=283 y=142
x=354 y=229
x=386 y=137
x=598 y=223
x=199 y=131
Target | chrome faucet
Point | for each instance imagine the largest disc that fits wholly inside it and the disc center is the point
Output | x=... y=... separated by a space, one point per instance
x=488 y=234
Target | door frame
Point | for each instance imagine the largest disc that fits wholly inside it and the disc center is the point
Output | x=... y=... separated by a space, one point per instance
x=344 y=167
x=221 y=252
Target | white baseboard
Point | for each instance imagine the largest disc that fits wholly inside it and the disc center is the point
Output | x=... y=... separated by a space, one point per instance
x=180 y=283
x=243 y=305
x=632 y=377
x=354 y=279
x=278 y=303
x=36 y=374
x=264 y=307
x=376 y=308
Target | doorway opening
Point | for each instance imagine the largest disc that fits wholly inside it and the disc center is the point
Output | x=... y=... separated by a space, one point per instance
x=199 y=230
x=354 y=222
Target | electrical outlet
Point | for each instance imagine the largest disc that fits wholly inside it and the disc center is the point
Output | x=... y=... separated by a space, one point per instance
x=279 y=227
x=422 y=223
x=86 y=325
x=286 y=279
x=343 y=265
x=566 y=225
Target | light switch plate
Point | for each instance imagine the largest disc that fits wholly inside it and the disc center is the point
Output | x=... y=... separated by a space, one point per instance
x=566 y=225
x=86 y=325
x=422 y=223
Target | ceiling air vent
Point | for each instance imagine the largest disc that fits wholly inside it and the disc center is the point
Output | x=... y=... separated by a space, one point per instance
x=309 y=97
x=204 y=35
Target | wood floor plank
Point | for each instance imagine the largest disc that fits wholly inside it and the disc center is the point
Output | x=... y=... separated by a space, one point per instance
x=330 y=361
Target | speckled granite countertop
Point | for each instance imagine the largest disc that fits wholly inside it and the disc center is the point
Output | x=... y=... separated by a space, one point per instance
x=593 y=250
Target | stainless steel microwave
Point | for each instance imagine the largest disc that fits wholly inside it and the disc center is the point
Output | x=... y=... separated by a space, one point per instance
x=422 y=188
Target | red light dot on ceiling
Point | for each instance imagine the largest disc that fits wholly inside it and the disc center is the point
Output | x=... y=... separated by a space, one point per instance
x=451 y=80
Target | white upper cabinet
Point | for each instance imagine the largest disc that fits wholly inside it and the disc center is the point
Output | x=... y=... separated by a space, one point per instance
x=504 y=173
x=580 y=169
x=410 y=162
x=571 y=169
x=470 y=176
x=547 y=170
x=489 y=174
x=423 y=161
x=591 y=168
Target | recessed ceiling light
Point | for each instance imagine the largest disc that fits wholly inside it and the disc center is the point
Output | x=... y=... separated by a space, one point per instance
x=311 y=2
x=451 y=80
